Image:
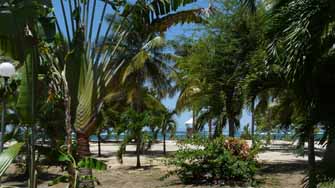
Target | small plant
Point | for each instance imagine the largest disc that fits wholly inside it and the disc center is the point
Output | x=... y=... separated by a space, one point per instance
x=87 y=163
x=133 y=124
x=246 y=135
x=218 y=161
x=327 y=184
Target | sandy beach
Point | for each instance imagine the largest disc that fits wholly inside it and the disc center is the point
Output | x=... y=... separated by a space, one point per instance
x=280 y=167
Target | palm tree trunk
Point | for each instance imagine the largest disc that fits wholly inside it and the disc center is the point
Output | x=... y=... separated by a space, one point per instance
x=164 y=143
x=32 y=173
x=252 y=122
x=27 y=139
x=138 y=152
x=83 y=150
x=231 y=128
x=229 y=110
x=328 y=162
x=68 y=125
x=194 y=123
x=311 y=159
x=210 y=128
x=99 y=145
x=219 y=127
x=331 y=138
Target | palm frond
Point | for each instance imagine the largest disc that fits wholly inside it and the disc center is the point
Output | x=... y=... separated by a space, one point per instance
x=188 y=16
x=8 y=155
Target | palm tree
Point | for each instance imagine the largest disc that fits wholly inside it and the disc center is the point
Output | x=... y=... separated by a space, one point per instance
x=219 y=62
x=307 y=43
x=133 y=123
x=168 y=124
x=144 y=64
x=85 y=70
x=143 y=50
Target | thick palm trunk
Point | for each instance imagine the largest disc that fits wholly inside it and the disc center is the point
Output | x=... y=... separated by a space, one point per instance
x=328 y=162
x=231 y=128
x=311 y=159
x=331 y=139
x=138 y=152
x=164 y=143
x=210 y=128
x=85 y=179
x=219 y=128
x=68 y=126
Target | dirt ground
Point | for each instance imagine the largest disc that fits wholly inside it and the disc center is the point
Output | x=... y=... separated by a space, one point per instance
x=279 y=169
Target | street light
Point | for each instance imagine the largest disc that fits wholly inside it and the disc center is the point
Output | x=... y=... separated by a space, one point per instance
x=6 y=70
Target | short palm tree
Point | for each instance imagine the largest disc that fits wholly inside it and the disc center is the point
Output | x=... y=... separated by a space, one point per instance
x=134 y=122
x=168 y=125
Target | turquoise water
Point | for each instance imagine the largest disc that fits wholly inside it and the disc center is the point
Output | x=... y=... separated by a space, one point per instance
x=113 y=137
x=179 y=135
x=182 y=135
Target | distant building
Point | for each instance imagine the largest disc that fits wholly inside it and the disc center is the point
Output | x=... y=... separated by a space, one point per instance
x=189 y=127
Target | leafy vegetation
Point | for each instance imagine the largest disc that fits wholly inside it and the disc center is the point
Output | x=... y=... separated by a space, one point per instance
x=7 y=156
x=87 y=67
x=85 y=163
x=217 y=161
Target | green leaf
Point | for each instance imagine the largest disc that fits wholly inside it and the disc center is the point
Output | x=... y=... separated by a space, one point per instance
x=24 y=104
x=92 y=164
x=64 y=157
x=60 y=179
x=8 y=155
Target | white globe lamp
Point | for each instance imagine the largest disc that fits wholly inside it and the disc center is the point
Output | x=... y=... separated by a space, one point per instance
x=7 y=69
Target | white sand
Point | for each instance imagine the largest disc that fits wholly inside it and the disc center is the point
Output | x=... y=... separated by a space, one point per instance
x=277 y=154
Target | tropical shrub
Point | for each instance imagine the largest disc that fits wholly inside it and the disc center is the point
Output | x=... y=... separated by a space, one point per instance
x=237 y=147
x=77 y=165
x=327 y=184
x=218 y=161
x=246 y=135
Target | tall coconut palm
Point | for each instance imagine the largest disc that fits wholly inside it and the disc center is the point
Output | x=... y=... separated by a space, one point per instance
x=143 y=50
x=146 y=64
x=303 y=46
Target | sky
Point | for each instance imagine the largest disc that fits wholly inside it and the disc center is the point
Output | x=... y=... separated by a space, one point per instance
x=185 y=30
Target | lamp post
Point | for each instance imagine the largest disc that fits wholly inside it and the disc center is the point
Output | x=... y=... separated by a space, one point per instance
x=6 y=70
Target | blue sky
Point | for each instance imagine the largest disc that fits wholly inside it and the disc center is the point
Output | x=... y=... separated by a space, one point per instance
x=183 y=30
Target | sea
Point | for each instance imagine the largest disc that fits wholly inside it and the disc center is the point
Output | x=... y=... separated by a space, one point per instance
x=180 y=135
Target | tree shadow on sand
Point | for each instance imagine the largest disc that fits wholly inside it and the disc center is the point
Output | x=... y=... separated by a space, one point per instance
x=20 y=180
x=291 y=167
x=148 y=154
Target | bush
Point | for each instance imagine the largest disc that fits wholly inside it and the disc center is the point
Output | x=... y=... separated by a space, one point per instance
x=327 y=184
x=246 y=135
x=217 y=161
